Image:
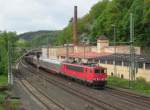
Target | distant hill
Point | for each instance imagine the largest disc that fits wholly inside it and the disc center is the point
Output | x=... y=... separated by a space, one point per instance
x=39 y=38
x=31 y=35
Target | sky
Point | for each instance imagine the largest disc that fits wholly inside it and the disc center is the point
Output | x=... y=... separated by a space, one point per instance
x=33 y=15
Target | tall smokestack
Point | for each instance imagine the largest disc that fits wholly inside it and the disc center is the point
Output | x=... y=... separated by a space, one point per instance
x=75 y=25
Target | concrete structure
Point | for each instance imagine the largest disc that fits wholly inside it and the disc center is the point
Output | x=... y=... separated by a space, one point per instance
x=103 y=54
x=122 y=65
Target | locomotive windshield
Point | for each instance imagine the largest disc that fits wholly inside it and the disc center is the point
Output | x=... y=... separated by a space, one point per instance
x=99 y=71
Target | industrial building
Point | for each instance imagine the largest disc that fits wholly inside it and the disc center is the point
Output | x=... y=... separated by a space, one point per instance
x=104 y=55
x=117 y=59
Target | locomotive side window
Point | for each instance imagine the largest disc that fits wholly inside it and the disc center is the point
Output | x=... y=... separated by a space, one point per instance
x=102 y=71
x=75 y=68
x=99 y=71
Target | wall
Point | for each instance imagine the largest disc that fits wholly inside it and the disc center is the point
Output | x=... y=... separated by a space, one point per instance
x=121 y=49
x=44 y=52
x=124 y=70
x=93 y=48
x=54 y=52
x=81 y=49
x=101 y=44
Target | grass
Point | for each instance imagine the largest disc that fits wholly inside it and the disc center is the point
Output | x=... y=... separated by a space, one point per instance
x=140 y=85
x=15 y=103
x=3 y=80
x=1 y=107
x=2 y=96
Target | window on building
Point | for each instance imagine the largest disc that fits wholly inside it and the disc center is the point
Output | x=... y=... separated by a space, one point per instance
x=140 y=65
x=96 y=61
x=119 y=63
x=75 y=68
x=126 y=63
x=122 y=76
x=110 y=62
x=112 y=73
x=102 y=61
x=147 y=66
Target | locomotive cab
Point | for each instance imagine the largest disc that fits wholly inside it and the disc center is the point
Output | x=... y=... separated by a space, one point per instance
x=100 y=76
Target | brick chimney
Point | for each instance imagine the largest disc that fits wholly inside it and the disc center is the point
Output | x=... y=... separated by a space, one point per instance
x=75 y=25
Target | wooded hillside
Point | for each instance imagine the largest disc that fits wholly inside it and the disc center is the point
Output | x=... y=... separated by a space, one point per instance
x=105 y=13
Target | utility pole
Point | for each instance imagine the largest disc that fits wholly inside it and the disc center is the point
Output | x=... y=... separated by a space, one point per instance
x=67 y=51
x=115 y=68
x=132 y=52
x=10 y=76
x=84 y=50
x=47 y=48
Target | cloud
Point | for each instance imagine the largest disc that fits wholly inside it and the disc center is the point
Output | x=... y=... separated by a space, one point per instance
x=32 y=15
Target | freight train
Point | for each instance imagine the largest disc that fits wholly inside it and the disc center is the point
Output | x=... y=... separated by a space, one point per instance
x=90 y=74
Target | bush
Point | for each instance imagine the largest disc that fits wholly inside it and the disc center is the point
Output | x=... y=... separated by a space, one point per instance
x=141 y=79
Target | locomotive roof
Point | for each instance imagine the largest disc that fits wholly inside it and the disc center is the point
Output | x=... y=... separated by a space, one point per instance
x=84 y=65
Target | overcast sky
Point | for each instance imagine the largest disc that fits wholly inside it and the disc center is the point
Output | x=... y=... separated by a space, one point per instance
x=32 y=15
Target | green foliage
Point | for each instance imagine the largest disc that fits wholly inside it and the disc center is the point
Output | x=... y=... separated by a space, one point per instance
x=11 y=40
x=6 y=37
x=140 y=85
x=15 y=103
x=2 y=98
x=1 y=107
x=67 y=32
x=3 y=80
x=22 y=43
x=115 y=81
x=39 y=38
x=141 y=80
x=105 y=13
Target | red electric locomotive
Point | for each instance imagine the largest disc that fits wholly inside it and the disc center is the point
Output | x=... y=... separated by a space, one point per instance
x=90 y=74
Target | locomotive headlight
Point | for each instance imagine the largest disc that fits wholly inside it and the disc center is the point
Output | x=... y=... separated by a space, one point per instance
x=102 y=79
x=96 y=79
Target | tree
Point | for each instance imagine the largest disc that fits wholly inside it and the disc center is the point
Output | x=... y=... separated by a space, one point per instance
x=4 y=38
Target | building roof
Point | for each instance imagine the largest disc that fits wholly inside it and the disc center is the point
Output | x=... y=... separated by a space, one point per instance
x=109 y=56
x=126 y=57
x=102 y=37
x=87 y=55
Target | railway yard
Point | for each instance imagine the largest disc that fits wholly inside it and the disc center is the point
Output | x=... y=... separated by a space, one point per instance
x=45 y=91
x=55 y=58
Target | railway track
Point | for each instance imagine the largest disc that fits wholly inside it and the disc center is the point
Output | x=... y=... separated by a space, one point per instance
x=92 y=97
x=48 y=102
x=138 y=99
x=94 y=101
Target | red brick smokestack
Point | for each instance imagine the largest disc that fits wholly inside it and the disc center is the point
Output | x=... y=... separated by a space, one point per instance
x=75 y=25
